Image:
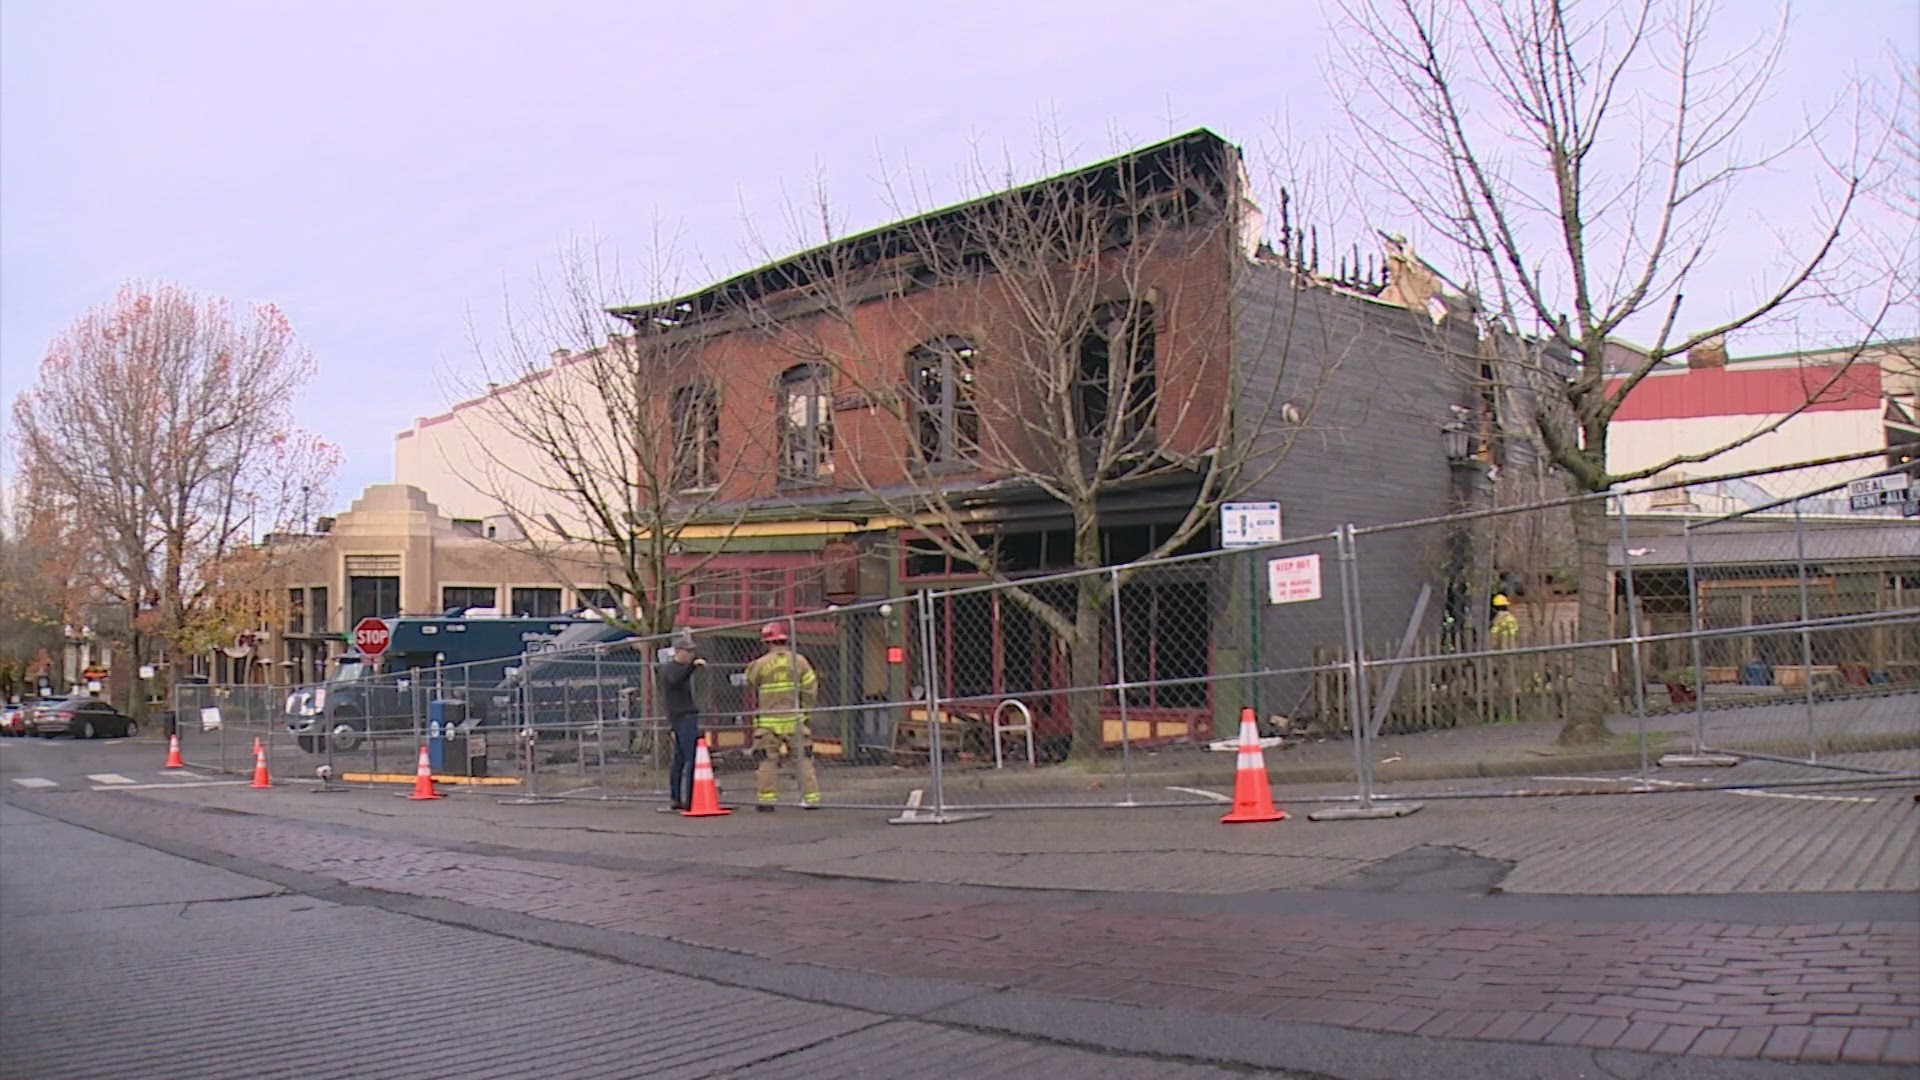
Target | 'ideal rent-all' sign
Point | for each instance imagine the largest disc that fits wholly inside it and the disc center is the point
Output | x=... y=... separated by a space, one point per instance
x=370 y=636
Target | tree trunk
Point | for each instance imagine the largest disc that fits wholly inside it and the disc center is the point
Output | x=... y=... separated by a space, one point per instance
x=137 y=697
x=1591 y=696
x=1083 y=661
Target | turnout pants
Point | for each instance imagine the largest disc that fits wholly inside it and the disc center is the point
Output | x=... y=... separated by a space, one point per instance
x=772 y=744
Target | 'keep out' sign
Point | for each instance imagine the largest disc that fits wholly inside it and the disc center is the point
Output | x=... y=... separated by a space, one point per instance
x=1293 y=580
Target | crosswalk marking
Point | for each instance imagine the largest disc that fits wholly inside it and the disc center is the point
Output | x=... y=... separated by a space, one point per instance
x=175 y=784
x=109 y=778
x=34 y=782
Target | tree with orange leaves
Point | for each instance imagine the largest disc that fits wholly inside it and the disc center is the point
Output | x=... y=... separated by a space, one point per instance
x=160 y=429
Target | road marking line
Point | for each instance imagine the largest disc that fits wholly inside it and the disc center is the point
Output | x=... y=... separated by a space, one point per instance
x=183 y=775
x=1202 y=792
x=1791 y=795
x=109 y=778
x=147 y=787
x=34 y=782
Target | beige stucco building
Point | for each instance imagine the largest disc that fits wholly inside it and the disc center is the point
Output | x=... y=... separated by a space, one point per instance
x=395 y=553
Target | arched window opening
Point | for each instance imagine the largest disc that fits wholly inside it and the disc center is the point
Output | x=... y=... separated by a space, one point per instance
x=947 y=420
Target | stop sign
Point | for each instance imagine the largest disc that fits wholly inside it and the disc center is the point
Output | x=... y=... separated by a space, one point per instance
x=371 y=635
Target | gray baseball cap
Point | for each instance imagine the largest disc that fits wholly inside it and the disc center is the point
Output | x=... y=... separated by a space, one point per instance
x=683 y=638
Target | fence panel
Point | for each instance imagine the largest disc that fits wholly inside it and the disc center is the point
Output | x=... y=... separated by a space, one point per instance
x=1841 y=677
x=1758 y=615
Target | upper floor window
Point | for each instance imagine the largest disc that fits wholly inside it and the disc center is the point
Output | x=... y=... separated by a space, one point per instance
x=696 y=437
x=536 y=603
x=465 y=596
x=947 y=421
x=1116 y=378
x=806 y=424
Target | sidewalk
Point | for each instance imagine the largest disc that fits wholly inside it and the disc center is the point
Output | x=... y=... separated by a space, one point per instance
x=1325 y=767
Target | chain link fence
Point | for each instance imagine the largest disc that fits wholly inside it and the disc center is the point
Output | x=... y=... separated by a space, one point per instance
x=1760 y=615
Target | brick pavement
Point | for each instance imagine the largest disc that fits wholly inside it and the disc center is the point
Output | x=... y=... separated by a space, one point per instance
x=1801 y=992
x=215 y=977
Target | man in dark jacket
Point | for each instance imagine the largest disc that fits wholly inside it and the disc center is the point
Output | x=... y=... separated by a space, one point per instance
x=676 y=682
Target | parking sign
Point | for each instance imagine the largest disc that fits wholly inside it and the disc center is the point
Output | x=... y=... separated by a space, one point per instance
x=1249 y=524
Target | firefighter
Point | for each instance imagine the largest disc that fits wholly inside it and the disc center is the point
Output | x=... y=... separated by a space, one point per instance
x=784 y=687
x=1505 y=628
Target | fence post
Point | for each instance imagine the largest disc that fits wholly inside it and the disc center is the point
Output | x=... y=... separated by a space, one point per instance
x=526 y=741
x=1699 y=648
x=913 y=814
x=1256 y=660
x=1806 y=635
x=930 y=663
x=1356 y=665
x=600 y=715
x=1120 y=678
x=1359 y=696
x=333 y=771
x=1633 y=639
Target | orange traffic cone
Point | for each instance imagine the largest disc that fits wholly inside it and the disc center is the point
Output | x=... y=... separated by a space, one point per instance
x=706 y=794
x=423 y=779
x=173 y=753
x=260 y=777
x=1252 y=794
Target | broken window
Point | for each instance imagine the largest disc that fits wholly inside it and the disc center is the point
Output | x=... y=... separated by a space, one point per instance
x=941 y=375
x=806 y=424
x=1116 y=377
x=696 y=437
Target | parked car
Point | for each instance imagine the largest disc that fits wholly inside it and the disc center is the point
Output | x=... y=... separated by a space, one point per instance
x=13 y=720
x=83 y=718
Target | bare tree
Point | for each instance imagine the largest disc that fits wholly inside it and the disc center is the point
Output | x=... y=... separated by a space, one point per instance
x=159 y=431
x=1066 y=341
x=1577 y=159
x=240 y=588
x=602 y=442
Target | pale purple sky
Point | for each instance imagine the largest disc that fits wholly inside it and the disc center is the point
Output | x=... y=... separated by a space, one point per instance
x=381 y=170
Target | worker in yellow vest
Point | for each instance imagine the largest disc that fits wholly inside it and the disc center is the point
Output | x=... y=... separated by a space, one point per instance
x=784 y=688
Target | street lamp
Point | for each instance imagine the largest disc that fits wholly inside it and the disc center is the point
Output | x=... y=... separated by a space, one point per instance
x=1457 y=440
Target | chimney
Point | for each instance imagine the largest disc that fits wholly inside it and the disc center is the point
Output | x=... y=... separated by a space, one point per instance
x=1711 y=353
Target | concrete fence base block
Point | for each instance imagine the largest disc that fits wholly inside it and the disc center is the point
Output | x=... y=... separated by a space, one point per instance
x=1698 y=761
x=913 y=815
x=1366 y=813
